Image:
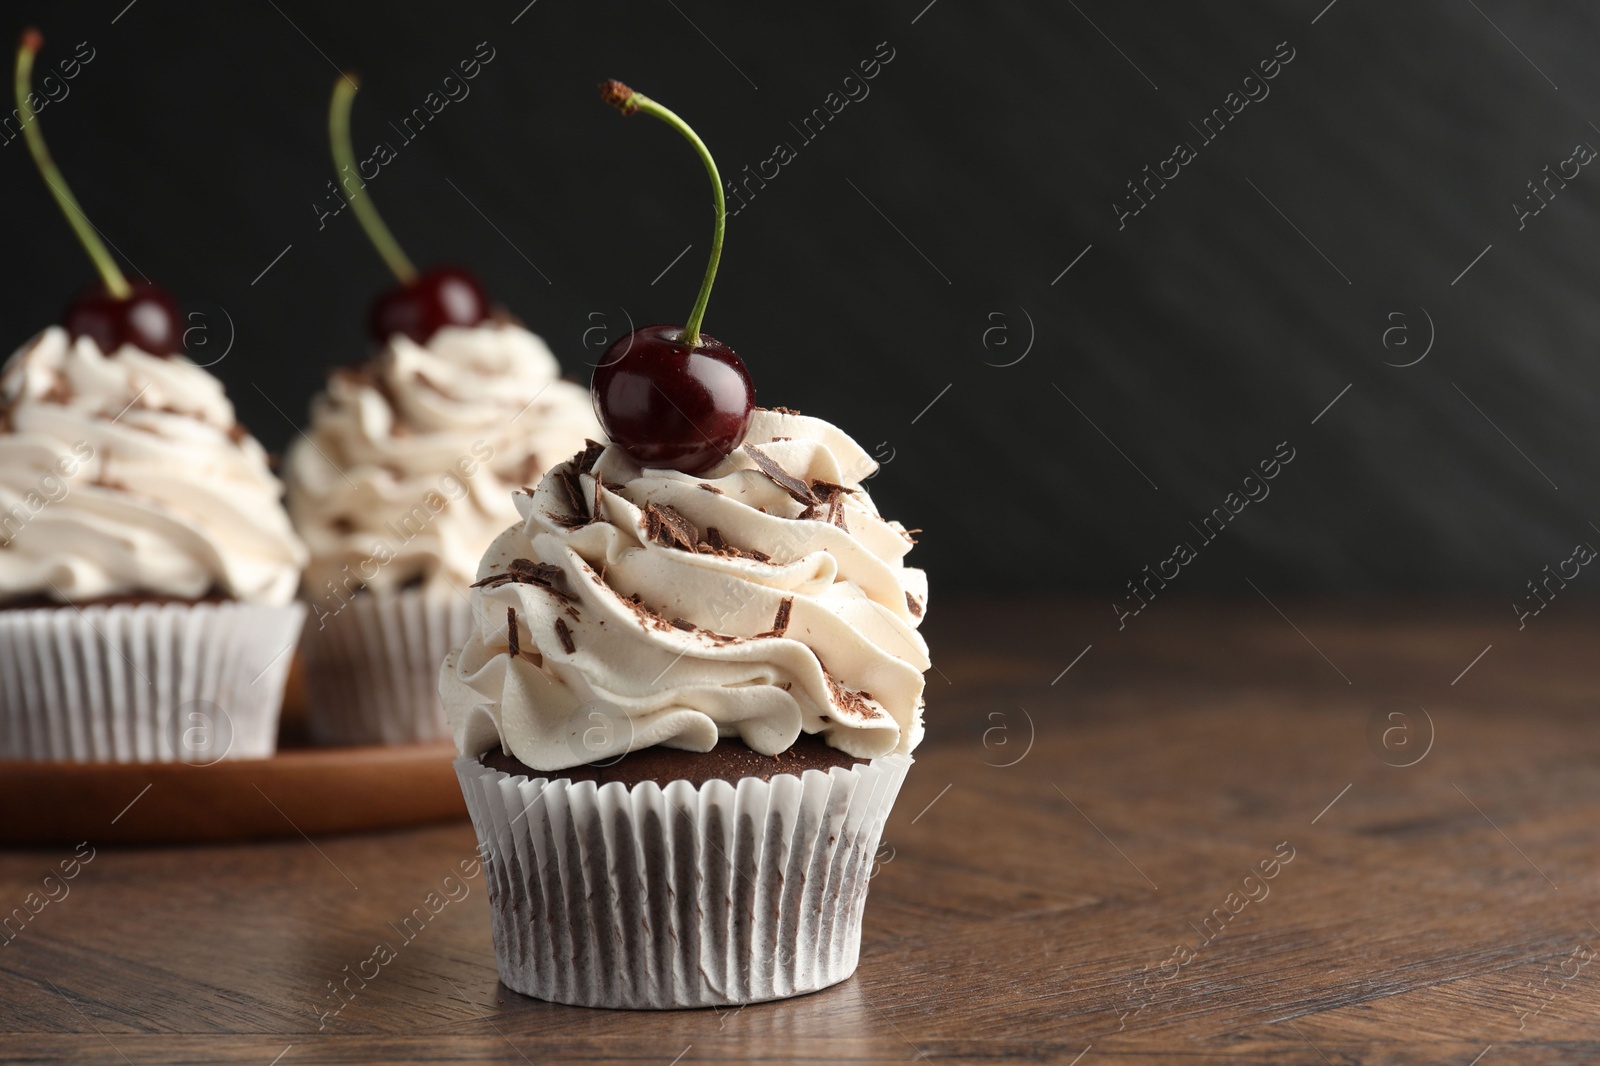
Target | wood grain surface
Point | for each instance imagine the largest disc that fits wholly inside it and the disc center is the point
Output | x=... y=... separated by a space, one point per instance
x=1098 y=896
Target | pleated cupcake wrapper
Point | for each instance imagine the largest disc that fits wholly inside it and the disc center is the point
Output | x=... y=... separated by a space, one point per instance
x=192 y=683
x=372 y=669
x=679 y=896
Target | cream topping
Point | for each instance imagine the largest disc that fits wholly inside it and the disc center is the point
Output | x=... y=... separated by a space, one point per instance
x=407 y=470
x=655 y=607
x=127 y=474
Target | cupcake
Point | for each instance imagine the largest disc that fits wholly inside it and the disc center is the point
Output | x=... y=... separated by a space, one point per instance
x=402 y=481
x=147 y=567
x=690 y=696
x=686 y=708
x=404 y=478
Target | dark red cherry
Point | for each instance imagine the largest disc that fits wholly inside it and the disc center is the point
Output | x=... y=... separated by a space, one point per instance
x=147 y=319
x=669 y=405
x=442 y=296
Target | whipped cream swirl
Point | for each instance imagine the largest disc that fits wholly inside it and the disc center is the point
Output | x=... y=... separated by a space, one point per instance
x=405 y=475
x=761 y=599
x=126 y=474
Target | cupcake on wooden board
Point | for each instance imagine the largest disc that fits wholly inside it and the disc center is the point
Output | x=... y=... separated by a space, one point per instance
x=405 y=476
x=147 y=567
x=692 y=691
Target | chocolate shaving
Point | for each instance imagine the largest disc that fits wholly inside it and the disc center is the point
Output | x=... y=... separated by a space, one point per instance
x=511 y=632
x=797 y=489
x=565 y=636
x=780 y=624
x=527 y=572
x=716 y=544
x=781 y=410
x=913 y=605
x=666 y=525
x=685 y=624
x=836 y=510
x=584 y=461
x=712 y=488
x=571 y=490
x=856 y=705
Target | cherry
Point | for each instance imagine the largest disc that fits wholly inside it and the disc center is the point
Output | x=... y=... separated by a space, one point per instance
x=671 y=404
x=442 y=296
x=147 y=318
x=422 y=303
x=116 y=311
x=671 y=396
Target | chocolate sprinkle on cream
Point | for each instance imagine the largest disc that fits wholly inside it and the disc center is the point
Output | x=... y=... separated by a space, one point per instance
x=584 y=461
x=565 y=636
x=511 y=632
x=856 y=705
x=780 y=624
x=715 y=544
x=527 y=572
x=571 y=492
x=666 y=525
x=712 y=488
x=685 y=624
x=797 y=489
x=913 y=605
x=836 y=510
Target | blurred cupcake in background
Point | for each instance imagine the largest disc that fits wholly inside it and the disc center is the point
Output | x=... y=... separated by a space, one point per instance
x=147 y=566
x=404 y=478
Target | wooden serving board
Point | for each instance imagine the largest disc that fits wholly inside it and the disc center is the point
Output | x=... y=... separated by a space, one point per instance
x=300 y=791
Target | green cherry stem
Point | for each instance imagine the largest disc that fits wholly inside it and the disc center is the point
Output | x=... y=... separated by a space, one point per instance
x=627 y=101
x=110 y=273
x=344 y=159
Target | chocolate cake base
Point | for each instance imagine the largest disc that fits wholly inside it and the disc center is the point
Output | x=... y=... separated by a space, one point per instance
x=683 y=896
x=33 y=603
x=729 y=761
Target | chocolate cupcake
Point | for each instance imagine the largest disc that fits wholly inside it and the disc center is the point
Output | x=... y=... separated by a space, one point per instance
x=684 y=713
x=401 y=482
x=147 y=566
x=404 y=478
x=146 y=563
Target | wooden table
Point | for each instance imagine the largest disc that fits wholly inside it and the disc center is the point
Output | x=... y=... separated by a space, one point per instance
x=1077 y=905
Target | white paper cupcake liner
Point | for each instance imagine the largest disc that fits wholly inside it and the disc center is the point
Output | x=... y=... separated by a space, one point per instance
x=372 y=670
x=679 y=896
x=170 y=682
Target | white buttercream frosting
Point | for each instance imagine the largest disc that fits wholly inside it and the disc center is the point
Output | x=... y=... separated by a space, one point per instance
x=126 y=474
x=782 y=617
x=406 y=473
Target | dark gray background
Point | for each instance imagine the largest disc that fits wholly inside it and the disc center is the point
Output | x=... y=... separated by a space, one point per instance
x=861 y=281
